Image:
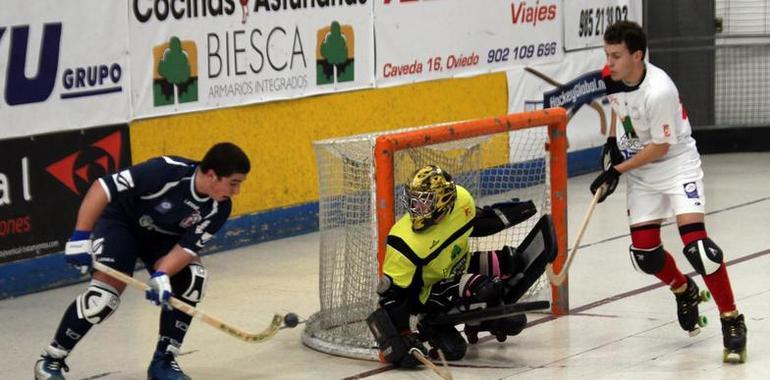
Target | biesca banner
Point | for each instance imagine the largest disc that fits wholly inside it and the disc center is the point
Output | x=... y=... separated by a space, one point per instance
x=195 y=55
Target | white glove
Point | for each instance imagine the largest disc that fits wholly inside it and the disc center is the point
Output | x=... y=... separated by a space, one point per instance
x=160 y=289
x=77 y=251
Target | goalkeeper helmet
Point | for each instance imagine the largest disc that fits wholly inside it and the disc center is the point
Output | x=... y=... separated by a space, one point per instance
x=429 y=196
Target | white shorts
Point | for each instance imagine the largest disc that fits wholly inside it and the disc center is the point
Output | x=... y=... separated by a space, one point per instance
x=645 y=204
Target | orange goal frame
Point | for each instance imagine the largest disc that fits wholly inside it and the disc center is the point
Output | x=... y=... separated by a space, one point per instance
x=555 y=118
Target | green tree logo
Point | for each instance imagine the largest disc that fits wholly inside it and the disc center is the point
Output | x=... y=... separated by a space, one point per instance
x=335 y=60
x=176 y=75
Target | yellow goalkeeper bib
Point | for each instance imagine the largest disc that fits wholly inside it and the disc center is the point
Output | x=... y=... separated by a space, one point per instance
x=439 y=252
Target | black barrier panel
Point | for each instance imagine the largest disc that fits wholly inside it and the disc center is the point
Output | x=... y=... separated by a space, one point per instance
x=44 y=178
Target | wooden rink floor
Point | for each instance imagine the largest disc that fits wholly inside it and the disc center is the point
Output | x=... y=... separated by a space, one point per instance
x=622 y=325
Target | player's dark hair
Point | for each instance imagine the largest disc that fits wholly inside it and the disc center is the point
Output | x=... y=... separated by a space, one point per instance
x=225 y=159
x=630 y=33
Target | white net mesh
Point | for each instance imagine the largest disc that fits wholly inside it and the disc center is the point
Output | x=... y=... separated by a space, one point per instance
x=492 y=168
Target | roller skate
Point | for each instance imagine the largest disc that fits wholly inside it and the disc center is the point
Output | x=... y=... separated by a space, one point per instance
x=164 y=366
x=734 y=338
x=51 y=364
x=687 y=308
x=501 y=328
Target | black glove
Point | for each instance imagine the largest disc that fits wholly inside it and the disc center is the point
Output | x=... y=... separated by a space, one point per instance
x=512 y=212
x=411 y=342
x=606 y=183
x=611 y=155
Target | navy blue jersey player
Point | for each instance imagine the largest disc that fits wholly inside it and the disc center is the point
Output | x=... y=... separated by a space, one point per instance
x=162 y=212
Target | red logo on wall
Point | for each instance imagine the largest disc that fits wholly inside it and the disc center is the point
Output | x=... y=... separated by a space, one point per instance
x=79 y=169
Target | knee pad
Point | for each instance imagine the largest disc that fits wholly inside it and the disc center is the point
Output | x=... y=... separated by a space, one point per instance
x=394 y=347
x=97 y=303
x=704 y=256
x=489 y=262
x=475 y=288
x=647 y=260
x=190 y=283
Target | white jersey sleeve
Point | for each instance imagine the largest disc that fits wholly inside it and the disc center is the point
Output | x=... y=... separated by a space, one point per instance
x=664 y=112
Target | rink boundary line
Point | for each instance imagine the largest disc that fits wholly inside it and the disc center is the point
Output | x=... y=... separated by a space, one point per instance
x=634 y=292
x=574 y=311
x=592 y=305
x=729 y=208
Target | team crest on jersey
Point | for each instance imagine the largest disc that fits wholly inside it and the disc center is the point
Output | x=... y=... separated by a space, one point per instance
x=666 y=130
x=164 y=207
x=194 y=218
x=691 y=189
x=456 y=250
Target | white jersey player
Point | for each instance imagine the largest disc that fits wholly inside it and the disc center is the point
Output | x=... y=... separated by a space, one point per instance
x=656 y=151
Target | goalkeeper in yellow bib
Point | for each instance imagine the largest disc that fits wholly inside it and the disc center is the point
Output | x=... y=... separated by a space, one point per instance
x=430 y=272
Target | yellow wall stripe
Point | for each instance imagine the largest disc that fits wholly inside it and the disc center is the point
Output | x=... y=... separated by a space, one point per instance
x=278 y=136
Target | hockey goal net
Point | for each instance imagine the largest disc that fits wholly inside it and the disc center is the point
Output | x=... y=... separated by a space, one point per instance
x=361 y=177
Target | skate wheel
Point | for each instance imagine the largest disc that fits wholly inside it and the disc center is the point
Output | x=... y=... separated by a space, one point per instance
x=735 y=357
x=705 y=296
x=433 y=353
x=501 y=338
x=702 y=321
x=694 y=332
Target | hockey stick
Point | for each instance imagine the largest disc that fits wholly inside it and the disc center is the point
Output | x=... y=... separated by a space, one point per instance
x=444 y=373
x=557 y=279
x=594 y=104
x=231 y=329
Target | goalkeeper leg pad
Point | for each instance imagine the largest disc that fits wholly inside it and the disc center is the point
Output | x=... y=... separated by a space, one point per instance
x=392 y=347
x=525 y=264
x=447 y=339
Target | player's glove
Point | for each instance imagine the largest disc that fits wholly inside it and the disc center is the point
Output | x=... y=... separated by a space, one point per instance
x=606 y=183
x=160 y=289
x=77 y=251
x=611 y=155
x=412 y=343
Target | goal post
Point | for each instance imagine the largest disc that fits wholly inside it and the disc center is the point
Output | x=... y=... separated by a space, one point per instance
x=520 y=155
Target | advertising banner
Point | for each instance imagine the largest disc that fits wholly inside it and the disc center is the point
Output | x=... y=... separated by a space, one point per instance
x=195 y=55
x=578 y=81
x=42 y=181
x=63 y=65
x=585 y=21
x=577 y=92
x=421 y=40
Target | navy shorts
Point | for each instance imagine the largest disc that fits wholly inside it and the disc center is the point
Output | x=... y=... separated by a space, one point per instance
x=118 y=245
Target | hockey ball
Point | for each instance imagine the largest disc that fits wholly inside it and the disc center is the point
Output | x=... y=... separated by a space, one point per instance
x=291 y=320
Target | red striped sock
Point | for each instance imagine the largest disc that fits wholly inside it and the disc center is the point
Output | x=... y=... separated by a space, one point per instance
x=717 y=282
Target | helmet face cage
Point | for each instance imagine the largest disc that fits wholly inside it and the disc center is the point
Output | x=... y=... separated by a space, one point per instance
x=429 y=196
x=419 y=203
